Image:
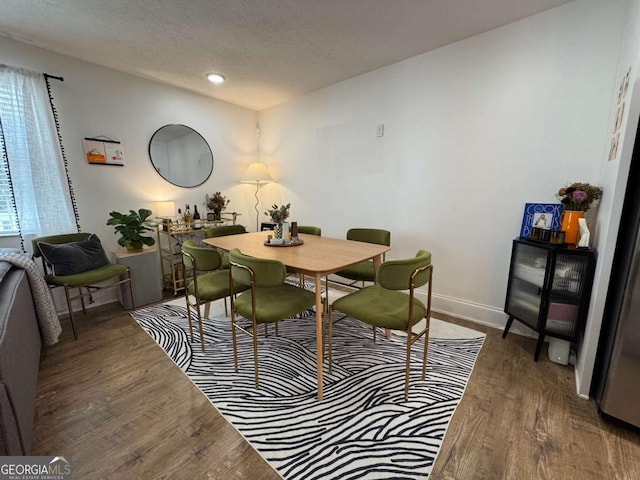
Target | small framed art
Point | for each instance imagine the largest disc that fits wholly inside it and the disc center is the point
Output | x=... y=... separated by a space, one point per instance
x=541 y=215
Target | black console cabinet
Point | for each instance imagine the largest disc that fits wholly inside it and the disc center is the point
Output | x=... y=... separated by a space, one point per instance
x=549 y=289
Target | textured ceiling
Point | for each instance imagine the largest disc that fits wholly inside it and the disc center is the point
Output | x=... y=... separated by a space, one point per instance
x=269 y=50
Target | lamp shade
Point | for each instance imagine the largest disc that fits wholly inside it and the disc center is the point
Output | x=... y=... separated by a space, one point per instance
x=165 y=209
x=257 y=173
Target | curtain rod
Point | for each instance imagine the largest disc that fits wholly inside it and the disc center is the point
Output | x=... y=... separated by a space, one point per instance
x=54 y=77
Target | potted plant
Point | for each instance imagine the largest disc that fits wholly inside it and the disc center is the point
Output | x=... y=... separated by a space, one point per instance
x=278 y=215
x=131 y=227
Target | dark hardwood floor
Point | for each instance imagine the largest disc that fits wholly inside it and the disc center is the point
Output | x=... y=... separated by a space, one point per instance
x=121 y=409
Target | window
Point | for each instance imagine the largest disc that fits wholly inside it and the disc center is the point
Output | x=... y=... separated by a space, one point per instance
x=40 y=201
x=8 y=217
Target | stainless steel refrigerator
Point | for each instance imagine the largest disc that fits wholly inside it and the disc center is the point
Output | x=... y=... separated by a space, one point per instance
x=616 y=385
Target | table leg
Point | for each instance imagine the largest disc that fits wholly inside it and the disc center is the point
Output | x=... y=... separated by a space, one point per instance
x=319 y=337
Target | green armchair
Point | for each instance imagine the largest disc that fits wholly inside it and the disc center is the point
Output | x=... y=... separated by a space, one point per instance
x=223 y=231
x=364 y=271
x=77 y=261
x=387 y=305
x=268 y=298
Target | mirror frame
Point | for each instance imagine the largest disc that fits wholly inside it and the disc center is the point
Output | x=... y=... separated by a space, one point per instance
x=172 y=181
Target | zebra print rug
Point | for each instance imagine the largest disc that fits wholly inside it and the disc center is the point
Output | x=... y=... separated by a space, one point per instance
x=362 y=429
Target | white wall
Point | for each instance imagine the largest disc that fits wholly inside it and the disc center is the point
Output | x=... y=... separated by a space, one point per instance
x=472 y=132
x=613 y=179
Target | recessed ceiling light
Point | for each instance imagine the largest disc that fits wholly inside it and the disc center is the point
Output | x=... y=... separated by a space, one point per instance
x=215 y=78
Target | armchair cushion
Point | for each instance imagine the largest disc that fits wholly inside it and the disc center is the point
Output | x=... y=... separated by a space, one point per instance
x=275 y=303
x=383 y=308
x=74 y=257
x=89 y=277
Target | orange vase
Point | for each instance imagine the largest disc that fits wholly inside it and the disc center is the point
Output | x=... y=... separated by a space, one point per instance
x=570 y=226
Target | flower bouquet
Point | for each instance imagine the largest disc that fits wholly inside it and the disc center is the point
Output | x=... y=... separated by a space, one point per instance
x=278 y=214
x=578 y=196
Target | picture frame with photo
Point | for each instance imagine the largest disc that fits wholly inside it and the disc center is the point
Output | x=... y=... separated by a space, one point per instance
x=541 y=215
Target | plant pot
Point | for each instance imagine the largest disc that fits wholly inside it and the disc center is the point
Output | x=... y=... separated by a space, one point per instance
x=570 y=225
x=131 y=249
x=277 y=230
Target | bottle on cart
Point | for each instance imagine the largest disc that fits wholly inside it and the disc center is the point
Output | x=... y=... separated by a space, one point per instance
x=196 y=214
x=188 y=218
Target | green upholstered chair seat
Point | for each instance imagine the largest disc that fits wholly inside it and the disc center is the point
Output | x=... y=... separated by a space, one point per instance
x=275 y=303
x=214 y=286
x=380 y=307
x=361 y=271
x=89 y=277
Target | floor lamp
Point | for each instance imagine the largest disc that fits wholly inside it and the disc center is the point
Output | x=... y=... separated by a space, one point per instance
x=257 y=173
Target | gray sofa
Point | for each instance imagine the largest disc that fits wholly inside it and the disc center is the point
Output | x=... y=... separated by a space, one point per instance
x=20 y=345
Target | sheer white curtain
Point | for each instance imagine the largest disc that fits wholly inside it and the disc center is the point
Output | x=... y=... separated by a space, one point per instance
x=41 y=189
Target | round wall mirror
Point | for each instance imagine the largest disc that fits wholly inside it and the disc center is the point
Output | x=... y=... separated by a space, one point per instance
x=180 y=155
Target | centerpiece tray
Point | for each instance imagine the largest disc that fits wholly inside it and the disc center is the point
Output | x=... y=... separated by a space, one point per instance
x=289 y=244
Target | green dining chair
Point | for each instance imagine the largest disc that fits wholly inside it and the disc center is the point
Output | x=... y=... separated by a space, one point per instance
x=268 y=298
x=387 y=305
x=308 y=230
x=364 y=271
x=223 y=231
x=208 y=282
x=77 y=260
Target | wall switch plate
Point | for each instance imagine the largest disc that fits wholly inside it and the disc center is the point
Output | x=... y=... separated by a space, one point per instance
x=380 y=130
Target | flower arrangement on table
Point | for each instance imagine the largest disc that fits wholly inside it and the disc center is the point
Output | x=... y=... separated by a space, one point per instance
x=278 y=214
x=578 y=196
x=217 y=202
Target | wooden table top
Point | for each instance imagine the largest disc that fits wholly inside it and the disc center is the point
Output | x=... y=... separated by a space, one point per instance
x=322 y=255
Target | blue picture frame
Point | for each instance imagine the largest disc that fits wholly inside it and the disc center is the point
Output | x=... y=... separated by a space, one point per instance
x=532 y=213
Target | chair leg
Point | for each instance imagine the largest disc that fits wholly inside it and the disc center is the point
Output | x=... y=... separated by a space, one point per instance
x=426 y=350
x=130 y=282
x=67 y=292
x=190 y=322
x=200 y=326
x=233 y=338
x=374 y=333
x=330 y=318
x=207 y=308
x=406 y=374
x=84 y=308
x=255 y=353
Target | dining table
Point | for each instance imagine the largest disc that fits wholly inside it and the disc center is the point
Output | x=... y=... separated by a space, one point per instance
x=315 y=256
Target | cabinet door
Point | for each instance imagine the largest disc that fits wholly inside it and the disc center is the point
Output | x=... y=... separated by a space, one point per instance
x=567 y=294
x=526 y=283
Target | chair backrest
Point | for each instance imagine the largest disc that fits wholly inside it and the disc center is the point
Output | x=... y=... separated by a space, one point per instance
x=202 y=259
x=310 y=230
x=265 y=226
x=370 y=235
x=57 y=240
x=266 y=273
x=396 y=274
x=224 y=230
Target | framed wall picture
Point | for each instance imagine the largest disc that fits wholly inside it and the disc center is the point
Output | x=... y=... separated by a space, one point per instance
x=542 y=215
x=103 y=152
